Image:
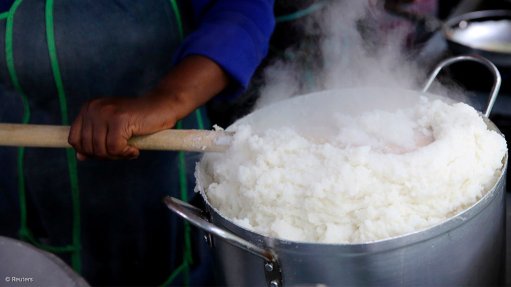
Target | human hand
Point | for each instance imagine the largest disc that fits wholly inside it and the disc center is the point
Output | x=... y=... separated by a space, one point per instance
x=104 y=126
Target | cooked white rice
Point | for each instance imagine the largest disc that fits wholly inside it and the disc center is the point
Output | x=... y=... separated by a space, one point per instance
x=382 y=175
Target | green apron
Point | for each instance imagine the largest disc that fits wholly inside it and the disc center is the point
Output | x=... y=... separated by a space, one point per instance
x=105 y=218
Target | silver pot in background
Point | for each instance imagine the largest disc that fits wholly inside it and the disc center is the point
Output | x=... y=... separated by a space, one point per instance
x=25 y=265
x=486 y=33
x=467 y=249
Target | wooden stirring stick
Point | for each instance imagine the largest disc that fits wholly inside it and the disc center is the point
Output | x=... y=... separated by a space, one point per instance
x=28 y=135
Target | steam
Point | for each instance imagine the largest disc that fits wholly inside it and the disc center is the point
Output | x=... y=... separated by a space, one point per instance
x=345 y=47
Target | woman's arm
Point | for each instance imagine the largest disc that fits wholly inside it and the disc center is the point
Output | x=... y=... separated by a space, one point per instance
x=104 y=126
x=231 y=39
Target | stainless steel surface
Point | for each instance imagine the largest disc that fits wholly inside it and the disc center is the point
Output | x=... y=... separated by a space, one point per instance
x=190 y=214
x=24 y=265
x=508 y=239
x=465 y=6
x=495 y=72
x=467 y=249
x=490 y=35
x=272 y=270
x=487 y=33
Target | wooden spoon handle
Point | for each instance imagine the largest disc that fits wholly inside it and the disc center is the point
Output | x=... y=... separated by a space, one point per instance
x=28 y=135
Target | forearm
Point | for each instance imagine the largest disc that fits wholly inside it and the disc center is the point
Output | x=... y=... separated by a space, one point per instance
x=104 y=125
x=190 y=84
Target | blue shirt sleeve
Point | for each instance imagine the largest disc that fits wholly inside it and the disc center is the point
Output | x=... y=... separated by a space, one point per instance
x=233 y=33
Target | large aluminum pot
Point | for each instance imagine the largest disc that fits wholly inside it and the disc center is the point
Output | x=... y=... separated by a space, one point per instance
x=467 y=249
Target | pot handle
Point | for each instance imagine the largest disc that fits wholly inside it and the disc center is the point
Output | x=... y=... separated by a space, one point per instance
x=194 y=215
x=476 y=58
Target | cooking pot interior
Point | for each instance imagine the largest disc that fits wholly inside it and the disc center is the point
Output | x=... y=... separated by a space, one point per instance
x=314 y=114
